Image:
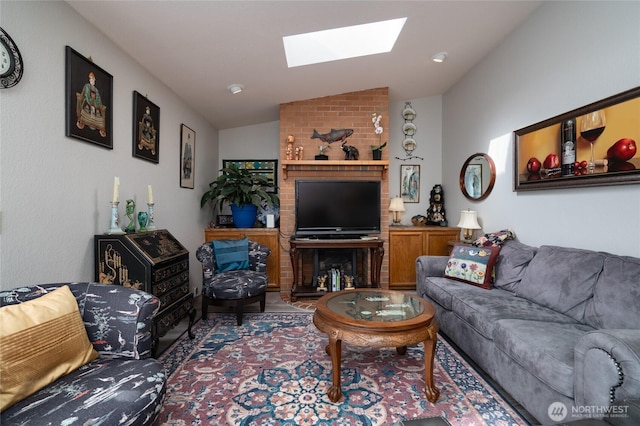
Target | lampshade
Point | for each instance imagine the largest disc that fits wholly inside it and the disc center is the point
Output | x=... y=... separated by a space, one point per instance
x=468 y=220
x=396 y=205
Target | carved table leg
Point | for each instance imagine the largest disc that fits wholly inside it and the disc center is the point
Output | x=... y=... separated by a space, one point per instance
x=335 y=350
x=430 y=390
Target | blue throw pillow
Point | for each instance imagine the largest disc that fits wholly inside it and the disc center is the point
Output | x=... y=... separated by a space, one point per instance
x=231 y=255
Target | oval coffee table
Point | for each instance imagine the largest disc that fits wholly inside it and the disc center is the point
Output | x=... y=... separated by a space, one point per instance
x=377 y=318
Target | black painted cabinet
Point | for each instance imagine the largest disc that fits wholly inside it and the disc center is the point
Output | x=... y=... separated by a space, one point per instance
x=153 y=261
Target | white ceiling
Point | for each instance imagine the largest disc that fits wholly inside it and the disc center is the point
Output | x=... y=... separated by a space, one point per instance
x=199 y=48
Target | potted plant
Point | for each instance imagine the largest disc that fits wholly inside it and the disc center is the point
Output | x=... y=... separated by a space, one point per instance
x=376 y=150
x=243 y=191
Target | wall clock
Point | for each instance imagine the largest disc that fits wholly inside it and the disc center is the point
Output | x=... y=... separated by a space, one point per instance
x=11 y=65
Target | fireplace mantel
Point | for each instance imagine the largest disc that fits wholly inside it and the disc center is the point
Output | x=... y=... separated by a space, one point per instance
x=329 y=165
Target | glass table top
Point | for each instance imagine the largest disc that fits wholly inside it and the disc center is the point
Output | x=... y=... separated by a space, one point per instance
x=376 y=306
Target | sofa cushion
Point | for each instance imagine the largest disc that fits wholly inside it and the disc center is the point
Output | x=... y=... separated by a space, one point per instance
x=616 y=295
x=561 y=279
x=103 y=392
x=544 y=349
x=439 y=289
x=481 y=310
x=473 y=265
x=231 y=255
x=40 y=341
x=512 y=262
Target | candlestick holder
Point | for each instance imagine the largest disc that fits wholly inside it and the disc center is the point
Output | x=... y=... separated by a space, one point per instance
x=115 y=227
x=150 y=225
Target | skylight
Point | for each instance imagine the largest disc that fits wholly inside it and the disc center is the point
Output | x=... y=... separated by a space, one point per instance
x=342 y=43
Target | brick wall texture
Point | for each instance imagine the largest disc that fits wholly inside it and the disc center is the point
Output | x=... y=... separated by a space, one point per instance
x=345 y=111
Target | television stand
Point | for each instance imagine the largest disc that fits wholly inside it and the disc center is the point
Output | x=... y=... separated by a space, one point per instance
x=375 y=250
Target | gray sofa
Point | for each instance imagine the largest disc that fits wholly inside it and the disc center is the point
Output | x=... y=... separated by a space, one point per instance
x=124 y=386
x=560 y=325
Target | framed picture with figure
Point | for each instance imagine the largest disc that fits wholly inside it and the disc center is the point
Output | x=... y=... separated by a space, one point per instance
x=146 y=129
x=88 y=100
x=187 y=157
x=410 y=183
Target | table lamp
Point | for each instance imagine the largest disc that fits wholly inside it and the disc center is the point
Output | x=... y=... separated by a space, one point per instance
x=396 y=207
x=468 y=222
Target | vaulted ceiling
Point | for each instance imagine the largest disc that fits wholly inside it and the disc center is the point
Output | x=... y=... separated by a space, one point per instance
x=199 y=48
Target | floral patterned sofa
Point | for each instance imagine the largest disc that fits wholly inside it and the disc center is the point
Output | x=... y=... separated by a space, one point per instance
x=123 y=386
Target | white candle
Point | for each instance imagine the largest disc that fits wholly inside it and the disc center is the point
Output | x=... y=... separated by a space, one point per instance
x=150 y=194
x=116 y=188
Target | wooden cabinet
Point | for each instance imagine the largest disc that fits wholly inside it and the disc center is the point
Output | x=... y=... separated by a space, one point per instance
x=151 y=261
x=406 y=243
x=265 y=236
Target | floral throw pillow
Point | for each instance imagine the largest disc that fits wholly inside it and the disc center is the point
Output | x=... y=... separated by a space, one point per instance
x=473 y=265
x=494 y=239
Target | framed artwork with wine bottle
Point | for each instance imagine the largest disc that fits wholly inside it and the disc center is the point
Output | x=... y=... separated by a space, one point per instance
x=594 y=145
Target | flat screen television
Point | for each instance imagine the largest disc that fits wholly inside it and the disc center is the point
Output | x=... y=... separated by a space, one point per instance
x=337 y=208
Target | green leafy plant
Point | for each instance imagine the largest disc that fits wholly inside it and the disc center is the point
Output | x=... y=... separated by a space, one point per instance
x=240 y=187
x=376 y=147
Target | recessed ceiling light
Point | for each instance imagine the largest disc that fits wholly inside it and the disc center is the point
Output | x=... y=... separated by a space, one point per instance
x=342 y=43
x=439 y=57
x=235 y=88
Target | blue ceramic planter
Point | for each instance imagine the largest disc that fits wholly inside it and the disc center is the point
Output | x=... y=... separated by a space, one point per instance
x=244 y=216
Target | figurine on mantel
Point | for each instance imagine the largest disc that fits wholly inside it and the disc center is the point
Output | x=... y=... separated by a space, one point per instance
x=436 y=213
x=350 y=152
x=322 y=155
x=131 y=211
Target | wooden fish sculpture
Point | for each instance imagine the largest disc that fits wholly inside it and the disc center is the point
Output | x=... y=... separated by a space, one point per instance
x=333 y=136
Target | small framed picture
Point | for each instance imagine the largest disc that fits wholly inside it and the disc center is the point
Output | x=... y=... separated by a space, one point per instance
x=224 y=220
x=187 y=157
x=88 y=100
x=410 y=183
x=146 y=129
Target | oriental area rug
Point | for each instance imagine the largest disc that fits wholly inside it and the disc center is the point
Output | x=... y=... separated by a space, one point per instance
x=273 y=370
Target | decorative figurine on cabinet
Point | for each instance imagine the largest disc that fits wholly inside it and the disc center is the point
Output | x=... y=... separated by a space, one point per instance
x=348 y=279
x=322 y=283
x=131 y=212
x=436 y=213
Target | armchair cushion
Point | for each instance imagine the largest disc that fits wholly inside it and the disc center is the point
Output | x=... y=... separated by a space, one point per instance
x=235 y=285
x=231 y=255
x=40 y=341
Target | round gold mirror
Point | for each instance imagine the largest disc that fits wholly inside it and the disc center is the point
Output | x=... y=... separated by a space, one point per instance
x=477 y=177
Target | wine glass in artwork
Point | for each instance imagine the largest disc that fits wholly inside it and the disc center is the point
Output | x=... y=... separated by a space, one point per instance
x=591 y=127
